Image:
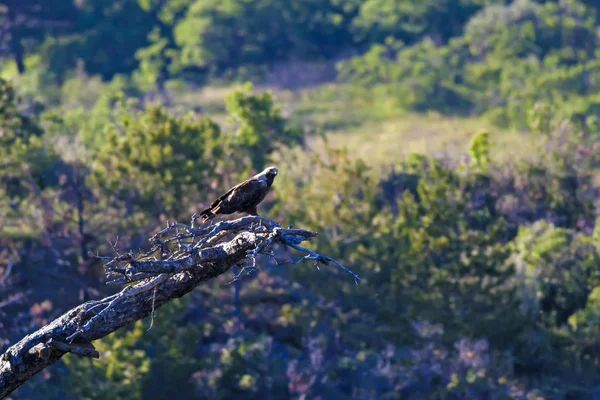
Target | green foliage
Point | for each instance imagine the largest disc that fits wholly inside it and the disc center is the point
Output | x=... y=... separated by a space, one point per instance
x=105 y=39
x=260 y=129
x=583 y=329
x=474 y=274
x=509 y=58
x=544 y=43
x=526 y=28
x=245 y=369
x=439 y=259
x=479 y=150
x=208 y=39
x=18 y=130
x=153 y=61
x=89 y=107
x=216 y=36
x=194 y=38
x=329 y=192
x=456 y=260
x=26 y=24
x=121 y=370
x=158 y=61
x=25 y=159
x=560 y=271
x=410 y=20
x=140 y=363
x=157 y=157
x=419 y=77
x=562 y=267
x=563 y=171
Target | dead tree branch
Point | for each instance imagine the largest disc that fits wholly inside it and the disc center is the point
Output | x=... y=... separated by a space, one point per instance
x=181 y=257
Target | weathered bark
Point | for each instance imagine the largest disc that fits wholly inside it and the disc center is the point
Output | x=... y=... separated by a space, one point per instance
x=19 y=364
x=199 y=261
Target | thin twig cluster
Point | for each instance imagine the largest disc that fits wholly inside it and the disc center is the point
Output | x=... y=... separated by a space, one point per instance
x=180 y=258
x=180 y=247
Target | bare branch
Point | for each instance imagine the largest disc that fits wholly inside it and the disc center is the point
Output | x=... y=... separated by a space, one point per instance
x=311 y=255
x=193 y=256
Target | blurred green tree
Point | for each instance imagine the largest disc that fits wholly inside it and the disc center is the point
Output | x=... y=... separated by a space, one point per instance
x=122 y=369
x=259 y=128
x=26 y=23
x=154 y=158
x=412 y=20
x=105 y=37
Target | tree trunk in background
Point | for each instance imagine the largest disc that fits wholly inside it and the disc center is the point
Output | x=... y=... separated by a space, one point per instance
x=19 y=56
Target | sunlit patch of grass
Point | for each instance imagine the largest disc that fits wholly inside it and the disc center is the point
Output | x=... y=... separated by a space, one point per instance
x=387 y=141
x=208 y=100
x=369 y=123
x=336 y=107
x=372 y=126
x=329 y=106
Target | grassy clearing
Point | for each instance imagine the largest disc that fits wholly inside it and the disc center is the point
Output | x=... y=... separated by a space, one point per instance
x=385 y=142
x=370 y=125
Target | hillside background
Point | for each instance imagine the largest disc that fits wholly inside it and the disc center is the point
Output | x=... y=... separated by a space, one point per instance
x=448 y=151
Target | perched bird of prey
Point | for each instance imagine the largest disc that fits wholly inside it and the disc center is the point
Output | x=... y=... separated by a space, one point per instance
x=243 y=197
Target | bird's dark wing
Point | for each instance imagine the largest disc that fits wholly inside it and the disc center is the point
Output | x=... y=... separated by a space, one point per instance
x=248 y=186
x=241 y=197
x=227 y=194
x=247 y=194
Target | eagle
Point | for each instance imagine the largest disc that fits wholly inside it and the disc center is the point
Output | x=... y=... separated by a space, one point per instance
x=243 y=197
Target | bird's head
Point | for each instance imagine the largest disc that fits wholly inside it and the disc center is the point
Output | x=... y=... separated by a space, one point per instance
x=269 y=174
